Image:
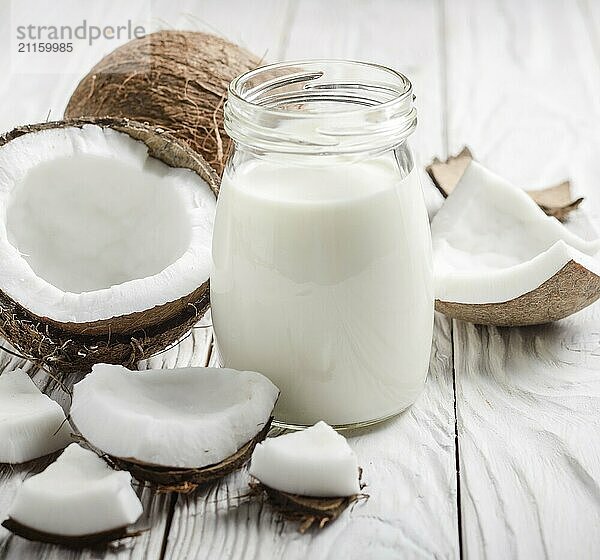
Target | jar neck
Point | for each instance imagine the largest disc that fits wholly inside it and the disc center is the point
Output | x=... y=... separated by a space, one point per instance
x=320 y=107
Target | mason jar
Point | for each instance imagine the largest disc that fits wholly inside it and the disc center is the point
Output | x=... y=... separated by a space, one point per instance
x=322 y=270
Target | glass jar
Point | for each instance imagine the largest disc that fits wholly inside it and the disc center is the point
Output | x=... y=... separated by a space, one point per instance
x=322 y=272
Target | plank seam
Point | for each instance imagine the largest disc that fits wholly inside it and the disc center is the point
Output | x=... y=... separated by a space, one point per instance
x=456 y=446
x=443 y=40
x=170 y=515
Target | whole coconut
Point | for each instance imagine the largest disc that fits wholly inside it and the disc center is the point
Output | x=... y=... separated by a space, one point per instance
x=176 y=80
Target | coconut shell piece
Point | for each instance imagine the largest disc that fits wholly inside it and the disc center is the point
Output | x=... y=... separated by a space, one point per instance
x=544 y=304
x=176 y=80
x=446 y=174
x=500 y=261
x=68 y=541
x=555 y=201
x=183 y=480
x=75 y=347
x=309 y=512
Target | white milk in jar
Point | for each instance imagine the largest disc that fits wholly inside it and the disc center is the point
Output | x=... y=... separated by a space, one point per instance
x=322 y=279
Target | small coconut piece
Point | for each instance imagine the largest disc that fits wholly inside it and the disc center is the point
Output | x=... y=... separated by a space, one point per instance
x=555 y=201
x=314 y=462
x=31 y=424
x=310 y=476
x=176 y=428
x=500 y=260
x=77 y=501
x=177 y=80
x=105 y=234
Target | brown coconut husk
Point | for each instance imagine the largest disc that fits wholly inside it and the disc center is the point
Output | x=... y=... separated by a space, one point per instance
x=555 y=201
x=83 y=541
x=182 y=480
x=309 y=512
x=176 y=80
x=75 y=347
x=571 y=289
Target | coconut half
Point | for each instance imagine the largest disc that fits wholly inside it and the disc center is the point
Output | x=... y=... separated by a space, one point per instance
x=555 y=201
x=105 y=233
x=77 y=501
x=178 y=427
x=31 y=424
x=500 y=260
x=310 y=476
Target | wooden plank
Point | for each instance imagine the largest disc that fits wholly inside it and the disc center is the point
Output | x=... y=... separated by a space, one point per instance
x=523 y=94
x=401 y=35
x=39 y=97
x=528 y=402
x=257 y=25
x=409 y=462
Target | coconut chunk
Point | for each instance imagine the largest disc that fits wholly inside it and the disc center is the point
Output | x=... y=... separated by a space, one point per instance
x=77 y=495
x=186 y=417
x=314 y=462
x=492 y=245
x=31 y=423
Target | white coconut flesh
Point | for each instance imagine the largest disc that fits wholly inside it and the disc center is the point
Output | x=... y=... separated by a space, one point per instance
x=492 y=243
x=314 y=462
x=31 y=423
x=92 y=227
x=77 y=495
x=186 y=417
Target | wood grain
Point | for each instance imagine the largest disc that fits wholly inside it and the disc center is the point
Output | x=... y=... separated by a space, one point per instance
x=528 y=403
x=523 y=94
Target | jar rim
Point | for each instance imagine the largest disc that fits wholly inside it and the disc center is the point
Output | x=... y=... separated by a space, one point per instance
x=234 y=85
x=320 y=106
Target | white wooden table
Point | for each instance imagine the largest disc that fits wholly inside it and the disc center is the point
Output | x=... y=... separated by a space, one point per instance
x=500 y=457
